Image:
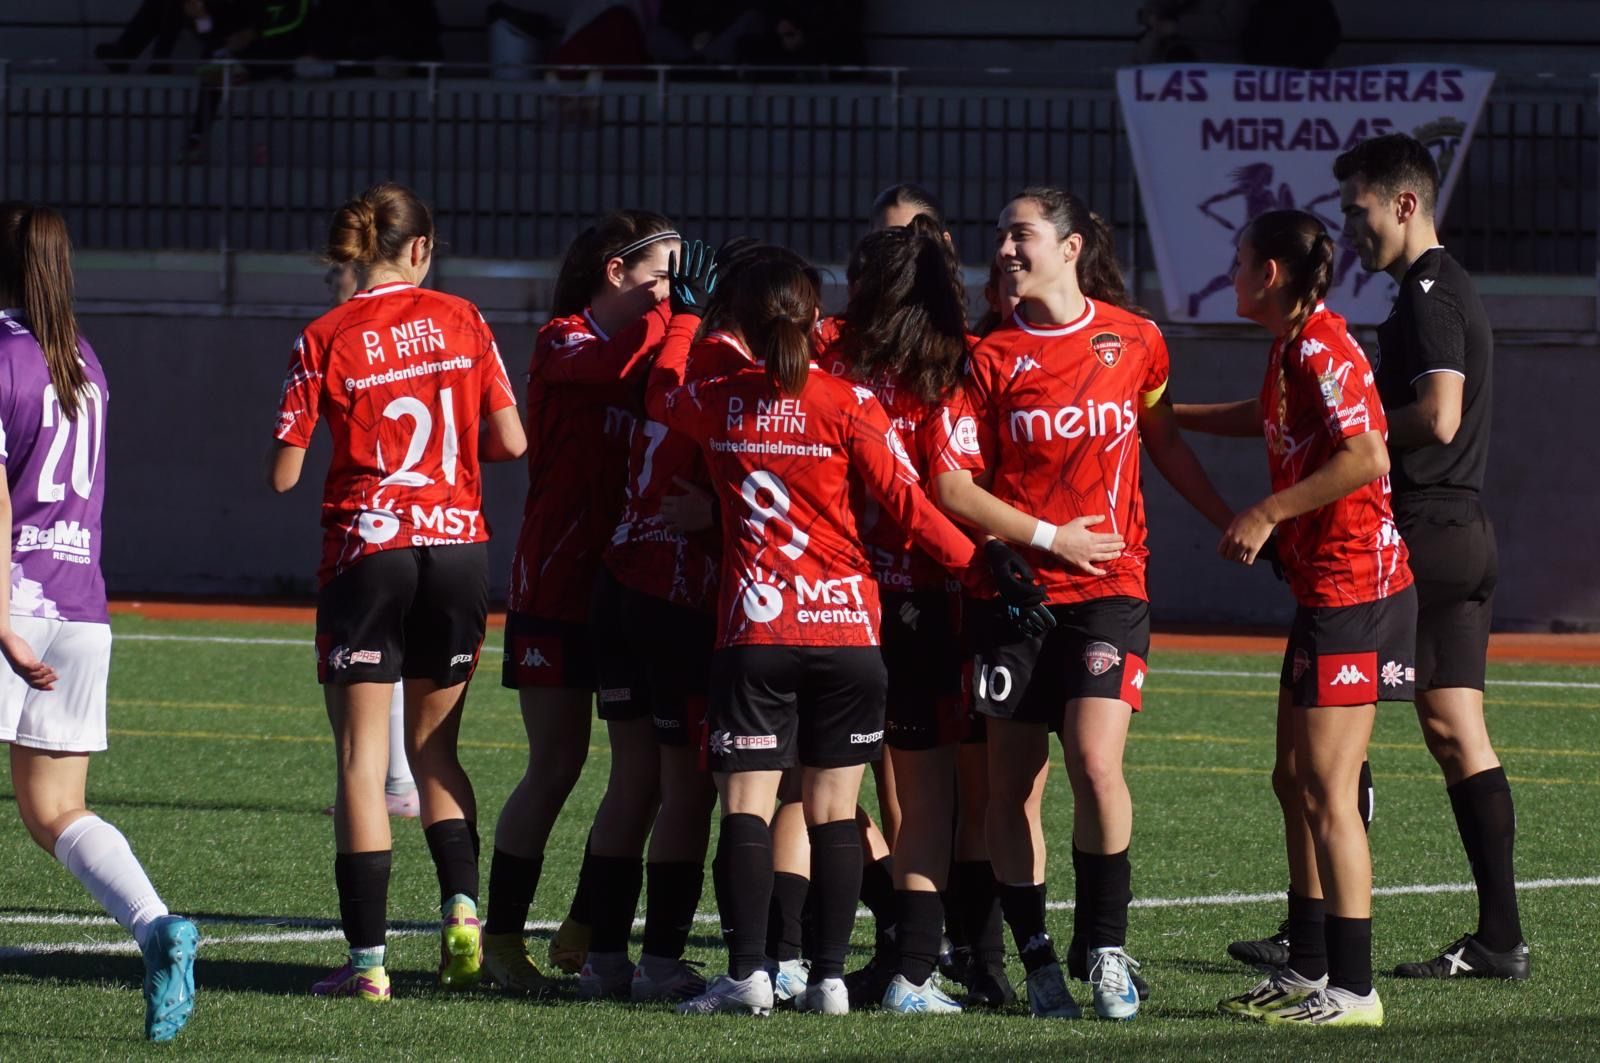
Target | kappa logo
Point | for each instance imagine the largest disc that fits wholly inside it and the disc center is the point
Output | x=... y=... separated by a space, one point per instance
x=1395 y=674
x=1348 y=676
x=1309 y=346
x=1107 y=347
x=460 y=658
x=1024 y=364
x=1426 y=284
x=866 y=739
x=1100 y=657
x=532 y=657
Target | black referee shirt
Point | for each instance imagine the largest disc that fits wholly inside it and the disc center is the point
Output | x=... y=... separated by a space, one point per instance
x=1438 y=325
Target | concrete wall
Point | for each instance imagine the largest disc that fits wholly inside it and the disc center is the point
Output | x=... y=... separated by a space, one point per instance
x=194 y=386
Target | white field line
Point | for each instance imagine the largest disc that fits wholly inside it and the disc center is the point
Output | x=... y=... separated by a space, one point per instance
x=312 y=930
x=1210 y=673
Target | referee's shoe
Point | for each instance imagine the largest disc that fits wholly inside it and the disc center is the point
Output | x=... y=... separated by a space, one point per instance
x=1467 y=958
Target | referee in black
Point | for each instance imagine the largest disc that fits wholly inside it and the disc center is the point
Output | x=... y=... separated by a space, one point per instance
x=1435 y=375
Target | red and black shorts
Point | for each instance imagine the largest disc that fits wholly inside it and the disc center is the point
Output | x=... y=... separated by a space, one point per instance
x=414 y=612
x=670 y=666
x=922 y=654
x=548 y=654
x=773 y=707
x=1353 y=654
x=1456 y=564
x=1096 y=650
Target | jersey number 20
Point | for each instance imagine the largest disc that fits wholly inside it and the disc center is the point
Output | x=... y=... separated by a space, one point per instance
x=84 y=432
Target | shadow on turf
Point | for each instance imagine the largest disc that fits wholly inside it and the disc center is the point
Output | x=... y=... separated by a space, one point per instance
x=229 y=975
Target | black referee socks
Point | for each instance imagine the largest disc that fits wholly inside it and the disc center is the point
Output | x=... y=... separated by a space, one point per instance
x=613 y=889
x=454 y=847
x=836 y=877
x=744 y=890
x=1308 y=941
x=1023 y=905
x=363 y=881
x=512 y=882
x=1488 y=825
x=1349 y=954
x=784 y=934
x=919 y=920
x=672 y=893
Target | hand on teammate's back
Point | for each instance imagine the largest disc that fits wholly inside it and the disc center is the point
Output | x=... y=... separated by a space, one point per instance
x=692 y=278
x=20 y=656
x=693 y=511
x=1019 y=589
x=1081 y=548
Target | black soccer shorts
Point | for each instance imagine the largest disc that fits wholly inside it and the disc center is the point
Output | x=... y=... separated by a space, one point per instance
x=922 y=654
x=1456 y=564
x=773 y=707
x=1353 y=654
x=414 y=612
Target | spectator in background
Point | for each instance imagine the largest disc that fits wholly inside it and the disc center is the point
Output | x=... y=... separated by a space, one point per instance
x=703 y=31
x=160 y=22
x=604 y=33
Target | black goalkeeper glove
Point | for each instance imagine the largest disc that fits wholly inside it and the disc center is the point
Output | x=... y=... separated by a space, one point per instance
x=1020 y=590
x=692 y=277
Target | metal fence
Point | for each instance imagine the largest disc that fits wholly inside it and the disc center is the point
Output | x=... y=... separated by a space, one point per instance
x=513 y=169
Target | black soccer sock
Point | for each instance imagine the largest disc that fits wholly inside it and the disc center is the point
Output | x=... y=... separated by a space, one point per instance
x=453 y=845
x=1487 y=821
x=1082 y=914
x=950 y=897
x=1109 y=878
x=363 y=882
x=1023 y=906
x=512 y=882
x=1349 y=954
x=1308 y=942
x=808 y=923
x=744 y=890
x=1366 y=796
x=614 y=884
x=836 y=876
x=784 y=935
x=979 y=911
x=877 y=893
x=919 y=918
x=672 y=892
x=578 y=911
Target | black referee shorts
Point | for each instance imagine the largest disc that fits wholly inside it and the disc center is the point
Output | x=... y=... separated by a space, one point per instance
x=1456 y=565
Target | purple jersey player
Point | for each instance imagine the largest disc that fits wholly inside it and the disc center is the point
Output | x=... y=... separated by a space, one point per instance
x=54 y=632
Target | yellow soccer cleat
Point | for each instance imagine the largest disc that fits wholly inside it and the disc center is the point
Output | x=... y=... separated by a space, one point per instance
x=1330 y=1007
x=369 y=983
x=460 y=947
x=569 y=949
x=507 y=964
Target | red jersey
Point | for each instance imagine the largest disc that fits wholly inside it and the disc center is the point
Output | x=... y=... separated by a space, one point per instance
x=645 y=554
x=794 y=572
x=1317 y=394
x=1055 y=415
x=585 y=391
x=403 y=376
x=924 y=429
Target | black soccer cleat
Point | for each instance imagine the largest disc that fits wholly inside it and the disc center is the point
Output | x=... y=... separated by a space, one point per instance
x=1466 y=958
x=1264 y=952
x=1078 y=967
x=955 y=963
x=988 y=987
x=865 y=986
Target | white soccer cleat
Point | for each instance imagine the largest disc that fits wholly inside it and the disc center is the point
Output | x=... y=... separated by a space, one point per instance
x=1048 y=995
x=789 y=978
x=661 y=979
x=825 y=996
x=1330 y=1007
x=1278 y=989
x=903 y=998
x=605 y=976
x=726 y=995
x=1111 y=977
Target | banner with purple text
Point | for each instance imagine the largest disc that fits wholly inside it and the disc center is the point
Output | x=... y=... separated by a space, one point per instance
x=1216 y=145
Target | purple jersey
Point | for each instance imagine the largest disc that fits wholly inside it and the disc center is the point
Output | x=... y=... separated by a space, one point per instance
x=55 y=470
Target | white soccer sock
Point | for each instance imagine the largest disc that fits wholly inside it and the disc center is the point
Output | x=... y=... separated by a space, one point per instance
x=399 y=780
x=99 y=857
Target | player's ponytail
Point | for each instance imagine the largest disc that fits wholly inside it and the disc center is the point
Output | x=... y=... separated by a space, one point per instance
x=907 y=315
x=624 y=234
x=909 y=195
x=1099 y=272
x=377 y=226
x=1300 y=244
x=36 y=272
x=772 y=301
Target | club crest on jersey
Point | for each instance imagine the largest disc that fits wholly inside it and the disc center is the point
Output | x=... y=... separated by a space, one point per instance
x=1107 y=346
x=1100 y=657
x=1332 y=391
x=1302 y=661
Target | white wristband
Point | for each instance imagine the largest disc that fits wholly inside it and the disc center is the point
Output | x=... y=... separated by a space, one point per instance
x=1044 y=535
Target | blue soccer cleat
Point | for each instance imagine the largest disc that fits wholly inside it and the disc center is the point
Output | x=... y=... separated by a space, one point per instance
x=169 y=952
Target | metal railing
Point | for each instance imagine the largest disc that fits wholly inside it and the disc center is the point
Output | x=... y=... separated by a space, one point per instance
x=515 y=168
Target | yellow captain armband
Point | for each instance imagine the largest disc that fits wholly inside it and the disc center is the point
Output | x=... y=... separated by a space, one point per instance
x=1148 y=399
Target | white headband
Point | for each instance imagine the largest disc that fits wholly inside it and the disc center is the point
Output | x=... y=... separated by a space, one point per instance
x=646 y=241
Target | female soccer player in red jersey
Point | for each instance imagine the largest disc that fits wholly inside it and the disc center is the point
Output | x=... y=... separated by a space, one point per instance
x=407 y=380
x=55 y=635
x=1353 y=638
x=903 y=336
x=584 y=385
x=1063 y=397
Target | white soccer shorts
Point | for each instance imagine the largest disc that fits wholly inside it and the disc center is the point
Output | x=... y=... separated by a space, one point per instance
x=72 y=717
